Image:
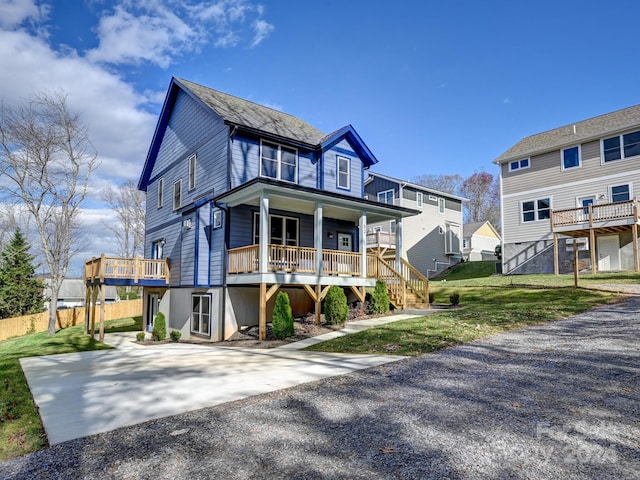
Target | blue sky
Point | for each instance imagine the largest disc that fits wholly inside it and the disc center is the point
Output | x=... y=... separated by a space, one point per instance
x=432 y=87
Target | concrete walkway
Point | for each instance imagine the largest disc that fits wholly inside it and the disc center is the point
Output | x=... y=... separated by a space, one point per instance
x=85 y=393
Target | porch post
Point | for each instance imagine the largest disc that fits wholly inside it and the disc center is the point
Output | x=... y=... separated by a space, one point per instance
x=103 y=289
x=262 y=316
x=592 y=248
x=264 y=232
x=362 y=225
x=317 y=236
x=87 y=308
x=634 y=230
x=398 y=243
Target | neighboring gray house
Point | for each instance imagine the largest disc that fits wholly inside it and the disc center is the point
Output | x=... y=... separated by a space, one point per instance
x=244 y=201
x=479 y=241
x=577 y=181
x=73 y=293
x=432 y=239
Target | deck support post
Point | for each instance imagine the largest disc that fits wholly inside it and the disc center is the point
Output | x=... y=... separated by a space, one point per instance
x=94 y=295
x=318 y=304
x=262 y=316
x=87 y=306
x=103 y=289
x=592 y=250
x=556 y=268
x=575 y=263
x=634 y=230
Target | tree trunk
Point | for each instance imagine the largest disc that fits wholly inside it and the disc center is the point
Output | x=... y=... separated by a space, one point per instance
x=53 y=308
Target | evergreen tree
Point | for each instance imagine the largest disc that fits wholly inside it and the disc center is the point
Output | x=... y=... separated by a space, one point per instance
x=20 y=289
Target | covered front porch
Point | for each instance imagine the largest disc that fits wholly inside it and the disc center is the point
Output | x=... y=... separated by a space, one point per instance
x=285 y=235
x=591 y=223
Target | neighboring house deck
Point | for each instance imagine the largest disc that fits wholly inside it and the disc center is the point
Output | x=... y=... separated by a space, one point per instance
x=576 y=181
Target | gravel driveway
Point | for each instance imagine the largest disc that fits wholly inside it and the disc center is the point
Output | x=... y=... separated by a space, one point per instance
x=555 y=401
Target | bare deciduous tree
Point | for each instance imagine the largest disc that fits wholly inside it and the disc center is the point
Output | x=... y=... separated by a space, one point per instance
x=46 y=159
x=128 y=205
x=442 y=183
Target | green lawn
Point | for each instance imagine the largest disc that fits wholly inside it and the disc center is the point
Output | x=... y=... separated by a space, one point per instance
x=21 y=430
x=483 y=311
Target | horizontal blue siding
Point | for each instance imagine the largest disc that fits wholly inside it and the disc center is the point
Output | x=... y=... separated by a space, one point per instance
x=330 y=169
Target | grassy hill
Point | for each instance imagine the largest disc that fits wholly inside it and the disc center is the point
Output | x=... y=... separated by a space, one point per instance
x=467 y=270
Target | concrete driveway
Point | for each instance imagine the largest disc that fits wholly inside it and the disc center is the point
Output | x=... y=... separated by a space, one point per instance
x=81 y=394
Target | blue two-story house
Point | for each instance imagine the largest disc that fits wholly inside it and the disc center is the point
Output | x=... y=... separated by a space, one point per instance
x=244 y=201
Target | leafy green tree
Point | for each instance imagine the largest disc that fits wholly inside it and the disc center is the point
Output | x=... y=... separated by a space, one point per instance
x=20 y=289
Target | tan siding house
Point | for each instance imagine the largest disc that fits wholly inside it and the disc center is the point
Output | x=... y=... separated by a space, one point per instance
x=576 y=181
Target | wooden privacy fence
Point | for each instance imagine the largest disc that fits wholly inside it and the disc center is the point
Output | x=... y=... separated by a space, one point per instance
x=39 y=322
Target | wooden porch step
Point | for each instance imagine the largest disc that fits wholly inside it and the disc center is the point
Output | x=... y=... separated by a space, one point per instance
x=417 y=306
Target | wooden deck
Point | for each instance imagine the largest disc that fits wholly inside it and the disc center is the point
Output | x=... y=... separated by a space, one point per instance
x=126 y=271
x=607 y=216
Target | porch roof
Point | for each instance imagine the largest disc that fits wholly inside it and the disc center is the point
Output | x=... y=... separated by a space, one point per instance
x=335 y=205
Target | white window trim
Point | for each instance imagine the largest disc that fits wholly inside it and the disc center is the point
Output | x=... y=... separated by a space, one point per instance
x=433 y=198
x=392 y=226
x=419 y=199
x=610 y=190
x=348 y=186
x=579 y=158
x=192 y=171
x=256 y=234
x=279 y=161
x=384 y=193
x=622 y=156
x=160 y=193
x=535 y=210
x=217 y=219
x=442 y=206
x=519 y=162
x=179 y=184
x=200 y=332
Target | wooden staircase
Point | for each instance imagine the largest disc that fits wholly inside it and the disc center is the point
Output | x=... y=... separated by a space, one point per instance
x=407 y=288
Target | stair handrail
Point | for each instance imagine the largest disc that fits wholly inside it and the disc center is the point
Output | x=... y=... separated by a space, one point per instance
x=424 y=293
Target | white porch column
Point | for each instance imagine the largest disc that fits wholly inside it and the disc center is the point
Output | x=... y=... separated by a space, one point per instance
x=362 y=225
x=264 y=232
x=317 y=236
x=398 y=243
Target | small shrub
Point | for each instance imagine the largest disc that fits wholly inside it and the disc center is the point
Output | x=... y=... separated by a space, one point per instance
x=175 y=335
x=140 y=336
x=454 y=298
x=282 y=322
x=380 y=299
x=432 y=297
x=159 y=328
x=335 y=305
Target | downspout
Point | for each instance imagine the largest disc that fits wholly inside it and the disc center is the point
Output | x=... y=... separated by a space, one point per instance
x=225 y=261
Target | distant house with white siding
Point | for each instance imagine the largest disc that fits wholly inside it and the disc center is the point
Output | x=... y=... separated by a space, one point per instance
x=431 y=240
x=576 y=181
x=479 y=241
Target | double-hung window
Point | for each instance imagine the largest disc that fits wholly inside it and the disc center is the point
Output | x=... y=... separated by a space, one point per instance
x=386 y=196
x=570 y=158
x=621 y=146
x=177 y=195
x=419 y=199
x=620 y=193
x=279 y=161
x=160 y=192
x=533 y=210
x=200 y=314
x=192 y=172
x=441 y=205
x=344 y=173
x=519 y=164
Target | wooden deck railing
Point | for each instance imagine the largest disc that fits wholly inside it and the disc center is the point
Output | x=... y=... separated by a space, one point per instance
x=381 y=239
x=595 y=213
x=135 y=269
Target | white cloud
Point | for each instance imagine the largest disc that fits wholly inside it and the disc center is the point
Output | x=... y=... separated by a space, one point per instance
x=156 y=32
x=14 y=12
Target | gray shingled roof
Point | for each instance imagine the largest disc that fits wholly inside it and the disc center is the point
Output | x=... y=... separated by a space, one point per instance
x=586 y=130
x=244 y=113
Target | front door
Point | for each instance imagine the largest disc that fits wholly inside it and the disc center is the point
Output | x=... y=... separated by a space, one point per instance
x=345 y=241
x=608 y=253
x=152 y=311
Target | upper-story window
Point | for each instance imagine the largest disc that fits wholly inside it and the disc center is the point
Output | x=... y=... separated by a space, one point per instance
x=621 y=146
x=620 y=193
x=386 y=197
x=160 y=192
x=441 y=205
x=419 y=199
x=192 y=172
x=177 y=195
x=344 y=173
x=278 y=161
x=533 y=210
x=217 y=219
x=570 y=158
x=519 y=164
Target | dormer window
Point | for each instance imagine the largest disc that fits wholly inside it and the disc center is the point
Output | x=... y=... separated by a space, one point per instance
x=344 y=174
x=278 y=161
